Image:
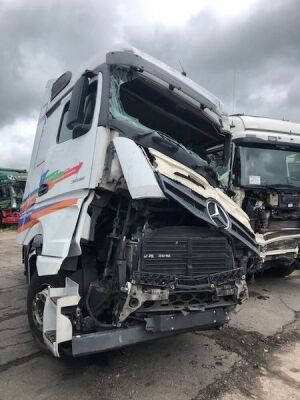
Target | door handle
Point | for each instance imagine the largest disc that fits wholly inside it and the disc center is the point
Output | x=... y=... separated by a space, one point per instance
x=43 y=189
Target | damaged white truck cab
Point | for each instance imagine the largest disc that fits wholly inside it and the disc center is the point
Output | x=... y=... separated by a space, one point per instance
x=265 y=178
x=127 y=235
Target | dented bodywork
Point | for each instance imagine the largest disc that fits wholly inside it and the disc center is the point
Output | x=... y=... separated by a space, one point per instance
x=136 y=236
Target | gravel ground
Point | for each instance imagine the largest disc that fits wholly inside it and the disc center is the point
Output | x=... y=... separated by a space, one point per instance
x=257 y=356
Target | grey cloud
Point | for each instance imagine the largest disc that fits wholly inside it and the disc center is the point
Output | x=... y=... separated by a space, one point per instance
x=39 y=40
x=17 y=148
x=259 y=48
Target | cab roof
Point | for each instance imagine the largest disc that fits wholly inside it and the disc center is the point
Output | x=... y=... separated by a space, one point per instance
x=139 y=58
x=263 y=128
x=212 y=106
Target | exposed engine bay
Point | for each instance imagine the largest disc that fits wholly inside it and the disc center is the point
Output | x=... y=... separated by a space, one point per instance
x=152 y=259
x=271 y=209
x=175 y=256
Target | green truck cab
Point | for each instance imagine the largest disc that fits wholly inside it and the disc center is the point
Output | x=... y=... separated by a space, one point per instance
x=12 y=185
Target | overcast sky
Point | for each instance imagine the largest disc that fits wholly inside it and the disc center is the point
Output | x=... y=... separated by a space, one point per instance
x=246 y=52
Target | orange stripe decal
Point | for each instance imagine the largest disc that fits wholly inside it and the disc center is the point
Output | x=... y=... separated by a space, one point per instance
x=45 y=211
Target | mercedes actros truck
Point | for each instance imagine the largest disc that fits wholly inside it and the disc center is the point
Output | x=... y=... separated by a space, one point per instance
x=127 y=233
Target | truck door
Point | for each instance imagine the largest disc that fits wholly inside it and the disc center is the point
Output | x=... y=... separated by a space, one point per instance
x=60 y=177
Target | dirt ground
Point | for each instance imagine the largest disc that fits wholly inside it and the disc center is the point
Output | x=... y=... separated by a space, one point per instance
x=256 y=357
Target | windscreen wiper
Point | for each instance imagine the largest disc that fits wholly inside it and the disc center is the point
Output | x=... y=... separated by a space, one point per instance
x=142 y=135
x=162 y=139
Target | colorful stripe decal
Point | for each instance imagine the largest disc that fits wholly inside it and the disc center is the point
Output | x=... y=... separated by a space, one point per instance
x=51 y=179
x=27 y=220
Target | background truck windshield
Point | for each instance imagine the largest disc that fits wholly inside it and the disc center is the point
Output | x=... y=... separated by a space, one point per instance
x=265 y=166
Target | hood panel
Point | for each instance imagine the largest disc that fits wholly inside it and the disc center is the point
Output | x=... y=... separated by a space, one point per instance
x=196 y=195
x=177 y=172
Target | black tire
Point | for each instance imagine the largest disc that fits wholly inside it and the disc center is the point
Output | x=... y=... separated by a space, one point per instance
x=282 y=270
x=34 y=305
x=1 y=223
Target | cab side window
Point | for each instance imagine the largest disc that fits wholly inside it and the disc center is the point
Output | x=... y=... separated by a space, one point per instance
x=64 y=133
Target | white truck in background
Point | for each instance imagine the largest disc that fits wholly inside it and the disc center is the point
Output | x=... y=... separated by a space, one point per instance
x=127 y=235
x=265 y=180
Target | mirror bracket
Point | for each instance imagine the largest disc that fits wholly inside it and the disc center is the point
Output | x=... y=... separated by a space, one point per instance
x=89 y=74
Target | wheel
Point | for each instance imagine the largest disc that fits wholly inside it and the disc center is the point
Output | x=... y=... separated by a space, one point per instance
x=297 y=264
x=1 y=222
x=281 y=269
x=36 y=298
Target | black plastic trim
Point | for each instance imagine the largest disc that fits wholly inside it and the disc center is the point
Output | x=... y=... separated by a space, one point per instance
x=197 y=206
x=60 y=84
x=158 y=327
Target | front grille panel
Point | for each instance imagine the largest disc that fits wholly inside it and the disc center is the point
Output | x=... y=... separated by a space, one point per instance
x=287 y=200
x=185 y=251
x=197 y=206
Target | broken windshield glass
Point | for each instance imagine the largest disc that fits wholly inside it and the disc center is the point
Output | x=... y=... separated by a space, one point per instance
x=156 y=113
x=119 y=77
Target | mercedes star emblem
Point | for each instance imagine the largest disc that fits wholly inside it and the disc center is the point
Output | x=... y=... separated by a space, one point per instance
x=217 y=214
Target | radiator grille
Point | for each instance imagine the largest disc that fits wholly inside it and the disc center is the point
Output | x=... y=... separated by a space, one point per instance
x=182 y=251
x=289 y=198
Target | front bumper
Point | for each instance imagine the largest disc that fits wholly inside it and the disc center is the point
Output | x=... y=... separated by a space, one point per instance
x=156 y=327
x=284 y=243
x=154 y=323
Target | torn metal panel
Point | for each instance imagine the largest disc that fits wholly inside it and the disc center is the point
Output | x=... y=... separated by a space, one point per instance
x=138 y=172
x=279 y=244
x=136 y=297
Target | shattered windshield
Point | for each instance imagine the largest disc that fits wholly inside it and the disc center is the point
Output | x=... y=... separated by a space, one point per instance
x=216 y=160
x=270 y=167
x=156 y=113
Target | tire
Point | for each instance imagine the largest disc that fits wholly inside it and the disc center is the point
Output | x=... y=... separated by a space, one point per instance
x=1 y=223
x=35 y=308
x=282 y=270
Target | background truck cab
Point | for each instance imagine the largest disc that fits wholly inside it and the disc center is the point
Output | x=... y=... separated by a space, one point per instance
x=265 y=178
x=12 y=185
x=127 y=235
